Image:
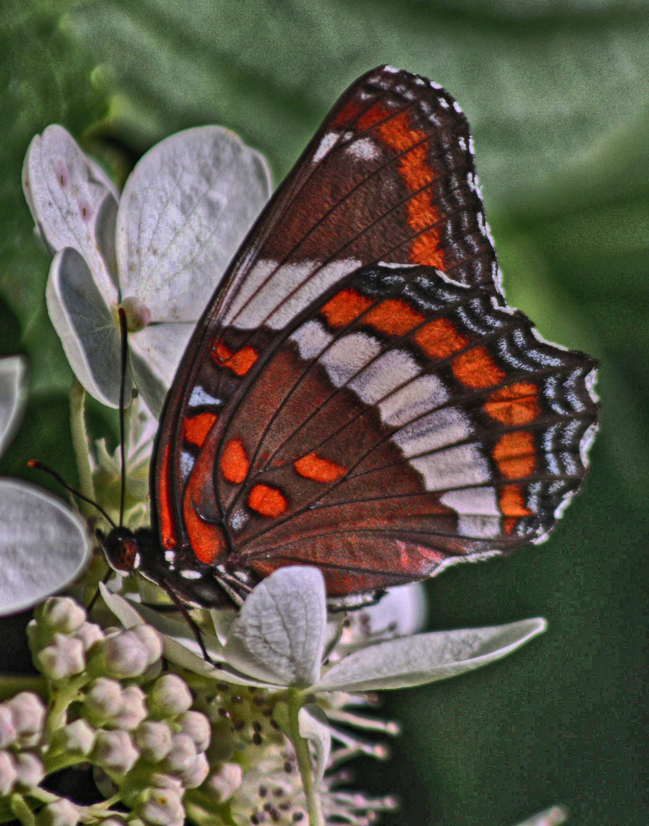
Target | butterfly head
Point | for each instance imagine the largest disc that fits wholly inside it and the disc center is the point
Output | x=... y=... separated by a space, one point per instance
x=122 y=549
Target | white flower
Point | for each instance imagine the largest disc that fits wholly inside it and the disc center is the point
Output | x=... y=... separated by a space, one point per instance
x=159 y=251
x=281 y=635
x=43 y=545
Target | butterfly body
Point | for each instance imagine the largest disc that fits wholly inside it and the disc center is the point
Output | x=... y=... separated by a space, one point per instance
x=357 y=395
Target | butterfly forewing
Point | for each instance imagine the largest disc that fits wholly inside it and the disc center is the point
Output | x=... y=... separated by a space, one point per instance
x=356 y=396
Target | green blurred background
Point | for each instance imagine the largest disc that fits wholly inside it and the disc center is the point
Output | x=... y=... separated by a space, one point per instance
x=557 y=94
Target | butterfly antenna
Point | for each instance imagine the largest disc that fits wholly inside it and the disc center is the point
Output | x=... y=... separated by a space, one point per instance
x=33 y=463
x=122 y=393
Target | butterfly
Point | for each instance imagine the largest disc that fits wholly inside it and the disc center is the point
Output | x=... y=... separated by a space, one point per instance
x=357 y=395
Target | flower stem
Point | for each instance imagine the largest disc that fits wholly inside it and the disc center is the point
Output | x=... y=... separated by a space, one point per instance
x=21 y=810
x=11 y=684
x=295 y=703
x=80 y=439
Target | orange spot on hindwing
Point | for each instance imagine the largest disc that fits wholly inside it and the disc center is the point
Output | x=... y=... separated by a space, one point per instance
x=512 y=502
x=393 y=317
x=234 y=462
x=267 y=501
x=196 y=428
x=164 y=501
x=440 y=339
x=514 y=454
x=239 y=361
x=314 y=467
x=514 y=405
x=345 y=307
x=476 y=368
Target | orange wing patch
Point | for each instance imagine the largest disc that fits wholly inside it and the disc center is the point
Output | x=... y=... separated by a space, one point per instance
x=196 y=428
x=515 y=405
x=234 y=462
x=393 y=317
x=267 y=501
x=345 y=307
x=476 y=368
x=314 y=467
x=165 y=502
x=440 y=339
x=515 y=455
x=239 y=361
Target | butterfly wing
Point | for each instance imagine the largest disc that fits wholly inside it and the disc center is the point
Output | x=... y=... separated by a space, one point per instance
x=343 y=402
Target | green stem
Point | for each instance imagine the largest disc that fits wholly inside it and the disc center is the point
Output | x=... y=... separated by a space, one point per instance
x=61 y=698
x=295 y=702
x=21 y=810
x=12 y=684
x=80 y=441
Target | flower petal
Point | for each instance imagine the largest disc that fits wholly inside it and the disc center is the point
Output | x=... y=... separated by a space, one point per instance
x=401 y=611
x=43 y=545
x=426 y=658
x=280 y=633
x=86 y=326
x=314 y=727
x=550 y=817
x=155 y=354
x=13 y=370
x=184 y=211
x=73 y=203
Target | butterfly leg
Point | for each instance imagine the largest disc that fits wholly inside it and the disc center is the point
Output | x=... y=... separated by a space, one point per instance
x=180 y=605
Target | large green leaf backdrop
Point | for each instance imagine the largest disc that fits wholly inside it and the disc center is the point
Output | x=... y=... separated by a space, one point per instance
x=557 y=95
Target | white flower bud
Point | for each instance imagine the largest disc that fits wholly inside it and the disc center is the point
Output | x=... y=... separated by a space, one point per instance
x=77 y=738
x=224 y=782
x=114 y=751
x=138 y=315
x=33 y=636
x=103 y=701
x=133 y=709
x=197 y=726
x=169 y=696
x=61 y=659
x=60 y=813
x=61 y=614
x=89 y=633
x=121 y=655
x=165 y=781
x=194 y=776
x=8 y=773
x=8 y=733
x=182 y=754
x=27 y=715
x=152 y=639
x=29 y=770
x=154 y=740
x=160 y=807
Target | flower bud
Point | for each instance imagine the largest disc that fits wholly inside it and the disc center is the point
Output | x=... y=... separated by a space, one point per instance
x=160 y=807
x=27 y=715
x=169 y=696
x=89 y=634
x=8 y=773
x=154 y=740
x=114 y=751
x=152 y=639
x=8 y=733
x=61 y=614
x=103 y=700
x=133 y=709
x=77 y=738
x=182 y=754
x=29 y=771
x=224 y=782
x=33 y=636
x=60 y=813
x=138 y=315
x=121 y=655
x=197 y=726
x=196 y=774
x=62 y=658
